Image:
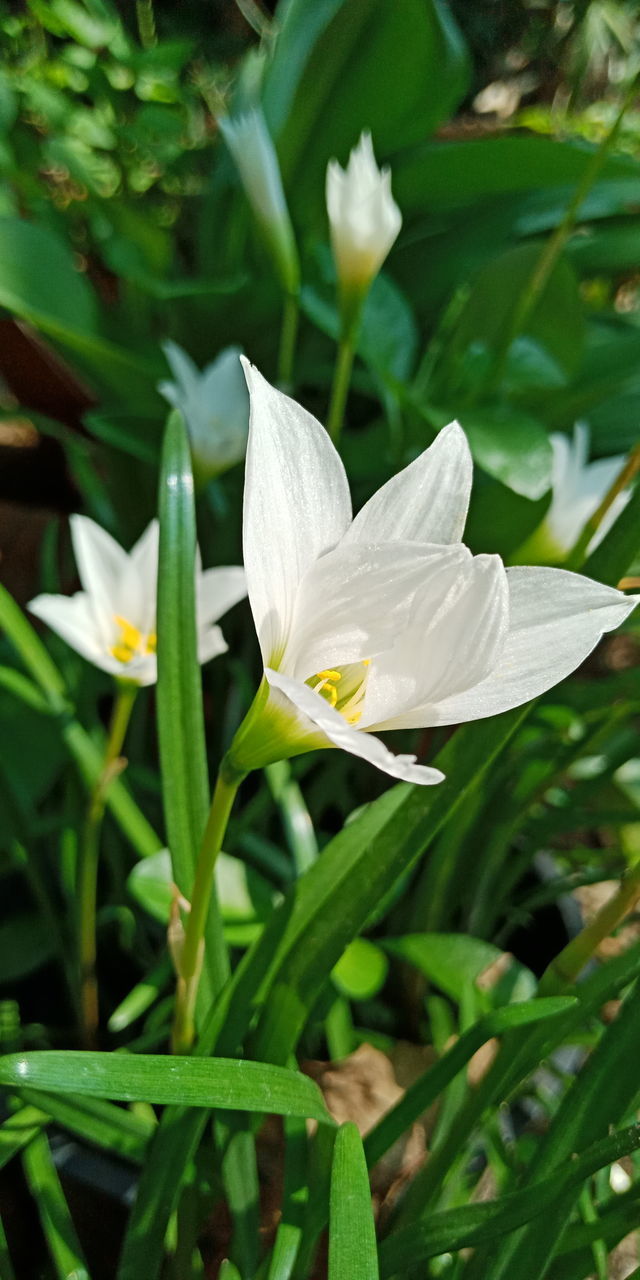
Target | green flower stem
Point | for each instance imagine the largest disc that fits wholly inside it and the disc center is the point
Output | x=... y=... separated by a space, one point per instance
x=629 y=470
x=190 y=956
x=565 y=968
x=340 y=387
x=288 y=335
x=87 y=876
x=553 y=247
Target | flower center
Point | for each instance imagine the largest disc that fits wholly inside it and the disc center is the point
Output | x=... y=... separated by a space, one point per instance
x=343 y=688
x=132 y=643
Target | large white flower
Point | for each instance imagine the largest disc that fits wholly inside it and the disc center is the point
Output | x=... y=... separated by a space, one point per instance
x=214 y=404
x=112 y=621
x=387 y=621
x=364 y=218
x=578 y=487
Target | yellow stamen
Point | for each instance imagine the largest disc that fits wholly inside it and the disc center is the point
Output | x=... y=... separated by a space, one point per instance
x=343 y=688
x=132 y=643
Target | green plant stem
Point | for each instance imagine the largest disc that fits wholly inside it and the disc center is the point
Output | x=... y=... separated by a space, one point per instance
x=190 y=962
x=87 y=878
x=553 y=247
x=146 y=23
x=628 y=472
x=288 y=335
x=340 y=387
x=568 y=964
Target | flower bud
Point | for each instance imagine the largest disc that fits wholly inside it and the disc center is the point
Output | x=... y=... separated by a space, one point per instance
x=364 y=221
x=251 y=146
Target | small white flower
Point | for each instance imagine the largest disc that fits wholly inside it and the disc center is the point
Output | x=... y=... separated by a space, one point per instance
x=578 y=487
x=387 y=621
x=112 y=621
x=364 y=219
x=214 y=404
x=251 y=146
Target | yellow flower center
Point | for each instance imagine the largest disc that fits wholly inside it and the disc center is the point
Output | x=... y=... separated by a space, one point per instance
x=343 y=688
x=132 y=643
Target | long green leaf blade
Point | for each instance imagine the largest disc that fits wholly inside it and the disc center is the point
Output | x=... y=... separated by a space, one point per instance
x=192 y=1082
x=353 y=1253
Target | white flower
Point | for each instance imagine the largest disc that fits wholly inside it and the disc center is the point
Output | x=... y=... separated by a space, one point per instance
x=578 y=487
x=364 y=218
x=251 y=146
x=112 y=621
x=214 y=405
x=387 y=621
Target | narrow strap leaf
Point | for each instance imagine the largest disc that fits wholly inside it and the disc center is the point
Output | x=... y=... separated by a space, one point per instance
x=353 y=1253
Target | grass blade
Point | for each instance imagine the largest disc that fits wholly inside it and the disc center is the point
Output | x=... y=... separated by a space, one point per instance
x=353 y=1253
x=193 y=1082
x=57 y=1224
x=472 y=1224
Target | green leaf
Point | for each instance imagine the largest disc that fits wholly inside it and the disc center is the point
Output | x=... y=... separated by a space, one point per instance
x=472 y=1224
x=454 y=961
x=600 y=1096
x=244 y=896
x=82 y=748
x=19 y=1129
x=554 y=330
x=39 y=283
x=334 y=72
x=193 y=1082
x=57 y=1223
x=353 y=1254
x=361 y=970
x=424 y=1091
x=183 y=758
x=24 y=946
x=93 y=1120
x=356 y=869
x=511 y=446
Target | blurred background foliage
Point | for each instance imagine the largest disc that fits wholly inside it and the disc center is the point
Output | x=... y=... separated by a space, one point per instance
x=123 y=224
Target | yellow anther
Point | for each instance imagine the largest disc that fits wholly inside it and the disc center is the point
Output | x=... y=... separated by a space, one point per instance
x=132 y=642
x=343 y=689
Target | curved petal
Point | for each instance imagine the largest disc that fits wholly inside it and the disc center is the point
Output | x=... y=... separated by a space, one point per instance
x=102 y=562
x=296 y=506
x=340 y=734
x=211 y=643
x=557 y=618
x=72 y=618
x=427 y=502
x=355 y=601
x=217 y=591
x=447 y=650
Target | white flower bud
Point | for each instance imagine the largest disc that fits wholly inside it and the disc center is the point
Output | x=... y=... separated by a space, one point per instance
x=364 y=218
x=251 y=146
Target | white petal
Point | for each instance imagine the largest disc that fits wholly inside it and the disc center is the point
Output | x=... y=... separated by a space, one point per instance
x=427 y=502
x=101 y=561
x=340 y=734
x=217 y=592
x=356 y=601
x=296 y=506
x=72 y=618
x=136 y=595
x=211 y=643
x=557 y=618
x=448 y=650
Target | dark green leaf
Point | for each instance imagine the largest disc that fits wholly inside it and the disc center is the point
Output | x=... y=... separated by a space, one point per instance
x=193 y=1082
